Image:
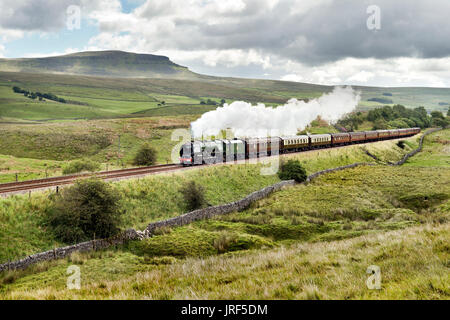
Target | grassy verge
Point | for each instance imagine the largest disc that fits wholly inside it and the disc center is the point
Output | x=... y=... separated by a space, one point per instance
x=413 y=263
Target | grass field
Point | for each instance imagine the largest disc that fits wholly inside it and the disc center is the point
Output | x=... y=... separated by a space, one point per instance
x=157 y=197
x=312 y=241
x=116 y=97
x=291 y=241
x=412 y=262
x=436 y=152
x=31 y=150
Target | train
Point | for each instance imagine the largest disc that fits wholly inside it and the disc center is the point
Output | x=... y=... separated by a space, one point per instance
x=219 y=151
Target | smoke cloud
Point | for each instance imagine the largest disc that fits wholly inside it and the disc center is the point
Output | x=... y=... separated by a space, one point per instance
x=246 y=120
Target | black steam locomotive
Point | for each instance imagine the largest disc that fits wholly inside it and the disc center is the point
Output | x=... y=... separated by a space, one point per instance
x=218 y=151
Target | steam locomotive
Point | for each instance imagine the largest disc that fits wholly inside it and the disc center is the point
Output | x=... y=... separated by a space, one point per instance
x=218 y=151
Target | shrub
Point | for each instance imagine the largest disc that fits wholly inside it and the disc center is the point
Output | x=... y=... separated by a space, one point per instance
x=193 y=195
x=292 y=170
x=401 y=144
x=88 y=209
x=438 y=122
x=146 y=156
x=81 y=165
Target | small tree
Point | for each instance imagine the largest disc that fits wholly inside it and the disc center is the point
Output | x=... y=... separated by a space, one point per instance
x=380 y=124
x=146 y=156
x=193 y=195
x=292 y=170
x=88 y=209
x=80 y=166
x=401 y=144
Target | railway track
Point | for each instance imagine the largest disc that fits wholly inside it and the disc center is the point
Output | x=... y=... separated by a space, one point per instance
x=30 y=185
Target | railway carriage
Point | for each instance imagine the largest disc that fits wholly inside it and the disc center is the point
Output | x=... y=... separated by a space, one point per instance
x=383 y=134
x=393 y=134
x=320 y=140
x=371 y=135
x=294 y=143
x=268 y=146
x=357 y=137
x=403 y=132
x=251 y=148
x=340 y=138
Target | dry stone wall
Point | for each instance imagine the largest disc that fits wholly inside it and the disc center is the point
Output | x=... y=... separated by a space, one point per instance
x=414 y=152
x=184 y=219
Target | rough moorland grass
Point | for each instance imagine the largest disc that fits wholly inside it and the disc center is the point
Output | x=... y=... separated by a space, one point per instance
x=41 y=144
x=157 y=197
x=96 y=138
x=27 y=168
x=413 y=263
x=153 y=198
x=382 y=198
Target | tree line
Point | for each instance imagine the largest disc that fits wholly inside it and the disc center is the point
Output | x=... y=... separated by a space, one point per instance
x=397 y=116
x=38 y=95
x=210 y=102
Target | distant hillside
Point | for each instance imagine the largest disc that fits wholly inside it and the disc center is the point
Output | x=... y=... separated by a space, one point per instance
x=113 y=80
x=101 y=63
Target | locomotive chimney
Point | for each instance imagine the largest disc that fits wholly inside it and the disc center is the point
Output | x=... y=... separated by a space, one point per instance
x=191 y=132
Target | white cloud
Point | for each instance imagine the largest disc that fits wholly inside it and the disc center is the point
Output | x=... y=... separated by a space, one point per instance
x=377 y=72
x=51 y=54
x=362 y=77
x=318 y=41
x=293 y=78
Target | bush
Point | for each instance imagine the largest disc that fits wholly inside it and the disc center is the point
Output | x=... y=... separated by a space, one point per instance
x=146 y=156
x=438 y=122
x=193 y=195
x=398 y=124
x=81 y=165
x=380 y=124
x=292 y=170
x=88 y=209
x=401 y=144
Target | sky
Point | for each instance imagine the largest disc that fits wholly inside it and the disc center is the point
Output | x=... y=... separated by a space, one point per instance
x=333 y=42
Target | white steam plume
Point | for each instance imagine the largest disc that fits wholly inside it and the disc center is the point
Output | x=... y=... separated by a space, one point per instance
x=246 y=120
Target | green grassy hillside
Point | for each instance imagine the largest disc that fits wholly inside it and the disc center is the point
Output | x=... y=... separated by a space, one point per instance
x=306 y=242
x=112 y=84
x=101 y=63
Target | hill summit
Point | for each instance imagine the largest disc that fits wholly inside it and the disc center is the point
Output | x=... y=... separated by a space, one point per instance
x=101 y=63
